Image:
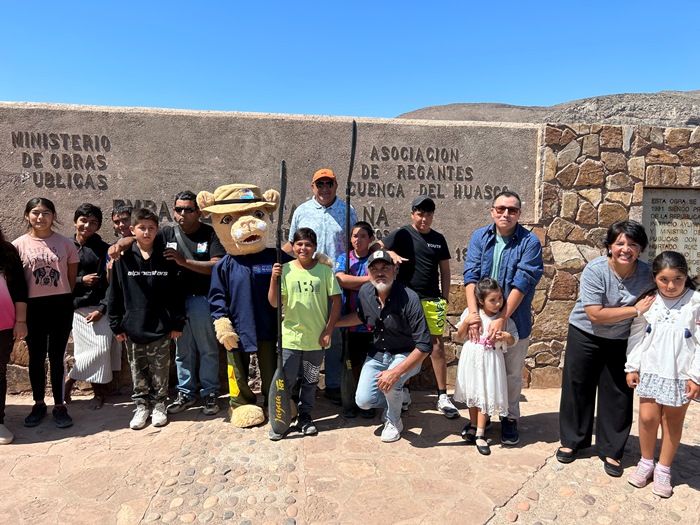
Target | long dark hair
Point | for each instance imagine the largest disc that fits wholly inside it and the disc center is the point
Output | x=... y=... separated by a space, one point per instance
x=36 y=201
x=669 y=260
x=9 y=258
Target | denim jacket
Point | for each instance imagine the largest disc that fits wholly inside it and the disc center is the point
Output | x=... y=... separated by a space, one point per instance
x=521 y=267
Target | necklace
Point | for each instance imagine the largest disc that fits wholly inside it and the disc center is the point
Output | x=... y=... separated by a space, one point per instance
x=669 y=308
x=620 y=280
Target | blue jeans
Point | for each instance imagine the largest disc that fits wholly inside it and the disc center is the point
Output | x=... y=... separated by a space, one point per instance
x=368 y=394
x=334 y=354
x=198 y=338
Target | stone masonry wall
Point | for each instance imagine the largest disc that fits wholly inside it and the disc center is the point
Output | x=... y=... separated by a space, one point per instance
x=592 y=176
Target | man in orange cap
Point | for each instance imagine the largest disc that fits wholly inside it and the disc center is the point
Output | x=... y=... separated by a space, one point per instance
x=325 y=215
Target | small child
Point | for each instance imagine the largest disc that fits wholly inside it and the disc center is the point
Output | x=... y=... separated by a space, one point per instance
x=306 y=330
x=146 y=308
x=359 y=337
x=663 y=364
x=481 y=372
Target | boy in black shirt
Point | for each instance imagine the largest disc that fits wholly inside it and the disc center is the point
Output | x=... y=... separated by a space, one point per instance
x=425 y=268
x=146 y=309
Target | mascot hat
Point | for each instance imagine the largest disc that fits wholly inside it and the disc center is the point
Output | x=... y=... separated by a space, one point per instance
x=236 y=198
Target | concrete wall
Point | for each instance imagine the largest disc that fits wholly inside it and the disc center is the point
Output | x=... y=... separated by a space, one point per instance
x=74 y=154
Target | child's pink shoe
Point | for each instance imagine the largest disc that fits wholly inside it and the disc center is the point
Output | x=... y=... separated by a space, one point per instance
x=662 y=483
x=641 y=475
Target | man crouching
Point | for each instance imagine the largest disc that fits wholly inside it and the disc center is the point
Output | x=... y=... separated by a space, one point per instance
x=401 y=340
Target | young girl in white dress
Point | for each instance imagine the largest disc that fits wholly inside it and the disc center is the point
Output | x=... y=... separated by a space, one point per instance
x=663 y=364
x=481 y=372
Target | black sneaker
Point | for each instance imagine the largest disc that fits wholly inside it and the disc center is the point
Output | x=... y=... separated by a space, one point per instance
x=333 y=394
x=35 y=416
x=509 y=431
x=350 y=413
x=211 y=404
x=61 y=418
x=306 y=425
x=368 y=413
x=182 y=402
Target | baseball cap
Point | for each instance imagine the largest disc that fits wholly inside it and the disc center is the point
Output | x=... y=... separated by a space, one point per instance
x=323 y=173
x=424 y=203
x=379 y=255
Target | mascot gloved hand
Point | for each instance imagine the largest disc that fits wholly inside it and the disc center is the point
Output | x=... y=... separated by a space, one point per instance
x=244 y=321
x=225 y=333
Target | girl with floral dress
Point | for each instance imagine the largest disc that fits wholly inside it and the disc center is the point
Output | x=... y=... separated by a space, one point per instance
x=663 y=365
x=481 y=372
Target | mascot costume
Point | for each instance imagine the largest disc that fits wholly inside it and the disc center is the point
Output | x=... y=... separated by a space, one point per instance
x=244 y=321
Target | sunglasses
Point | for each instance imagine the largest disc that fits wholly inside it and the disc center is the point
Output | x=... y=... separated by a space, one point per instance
x=324 y=183
x=512 y=210
x=182 y=209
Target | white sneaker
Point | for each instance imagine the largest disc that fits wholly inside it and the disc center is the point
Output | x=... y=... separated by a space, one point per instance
x=445 y=406
x=140 y=418
x=159 y=417
x=406 y=402
x=6 y=437
x=392 y=432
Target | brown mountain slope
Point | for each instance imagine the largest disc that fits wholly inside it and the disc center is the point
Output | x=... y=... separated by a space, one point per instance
x=666 y=108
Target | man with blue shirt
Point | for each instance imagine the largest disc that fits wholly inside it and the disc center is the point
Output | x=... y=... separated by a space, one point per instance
x=325 y=215
x=510 y=254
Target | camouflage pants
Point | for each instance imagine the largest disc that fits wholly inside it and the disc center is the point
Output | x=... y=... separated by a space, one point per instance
x=150 y=365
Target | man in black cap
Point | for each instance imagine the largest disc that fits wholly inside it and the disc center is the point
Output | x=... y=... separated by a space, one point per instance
x=400 y=341
x=425 y=268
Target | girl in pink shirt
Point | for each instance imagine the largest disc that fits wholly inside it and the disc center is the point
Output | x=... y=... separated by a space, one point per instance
x=50 y=263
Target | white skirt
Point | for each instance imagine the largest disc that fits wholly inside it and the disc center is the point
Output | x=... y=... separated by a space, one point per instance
x=481 y=380
x=97 y=353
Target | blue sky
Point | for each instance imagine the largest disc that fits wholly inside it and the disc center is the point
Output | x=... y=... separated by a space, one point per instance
x=360 y=58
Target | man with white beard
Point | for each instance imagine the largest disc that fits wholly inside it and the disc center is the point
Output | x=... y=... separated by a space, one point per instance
x=401 y=340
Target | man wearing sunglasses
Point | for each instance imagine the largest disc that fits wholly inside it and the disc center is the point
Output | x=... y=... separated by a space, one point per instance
x=325 y=215
x=510 y=254
x=195 y=247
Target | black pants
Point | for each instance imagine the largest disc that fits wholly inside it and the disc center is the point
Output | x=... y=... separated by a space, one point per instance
x=6 y=342
x=49 y=322
x=358 y=345
x=595 y=363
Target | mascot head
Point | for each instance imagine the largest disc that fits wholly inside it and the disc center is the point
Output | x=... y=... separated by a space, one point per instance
x=240 y=215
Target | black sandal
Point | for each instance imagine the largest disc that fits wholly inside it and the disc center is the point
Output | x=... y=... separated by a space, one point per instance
x=484 y=450
x=469 y=433
x=611 y=469
x=565 y=457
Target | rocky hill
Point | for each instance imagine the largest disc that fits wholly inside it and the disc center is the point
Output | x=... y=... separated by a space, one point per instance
x=666 y=108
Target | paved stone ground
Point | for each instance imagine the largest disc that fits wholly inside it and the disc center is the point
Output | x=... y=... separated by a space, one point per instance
x=200 y=469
